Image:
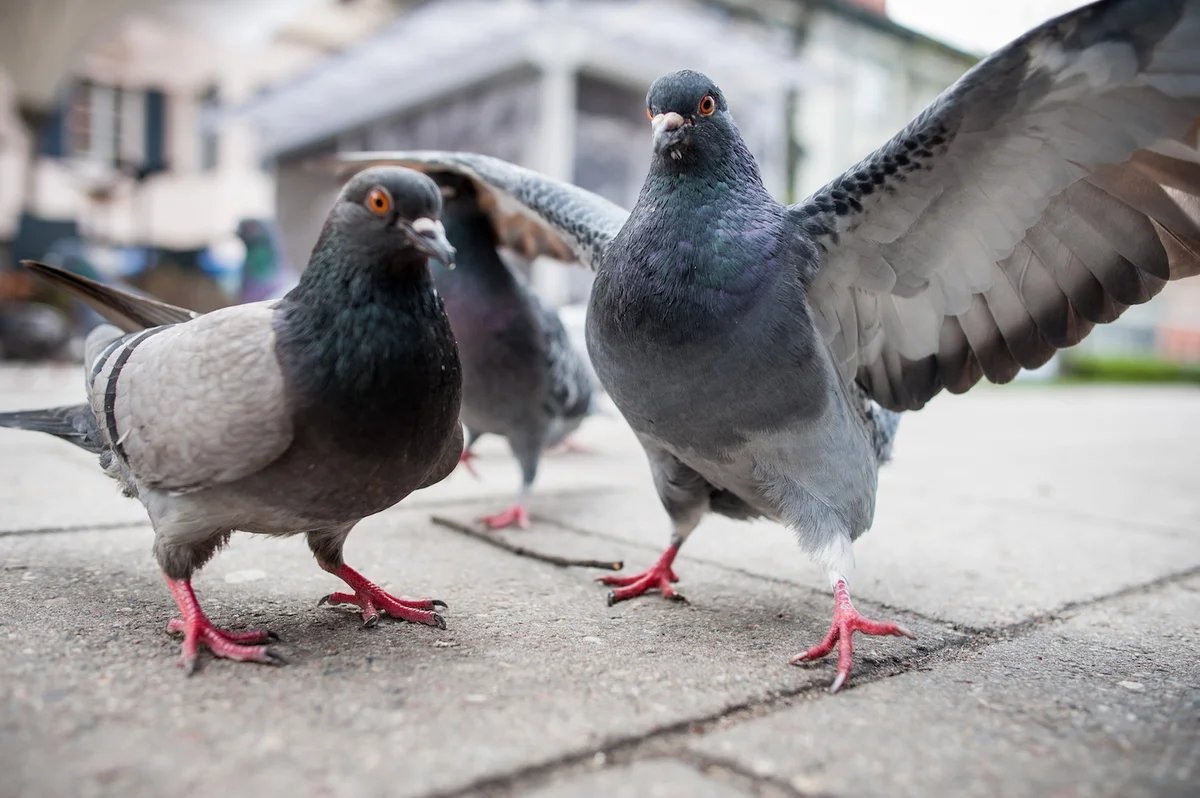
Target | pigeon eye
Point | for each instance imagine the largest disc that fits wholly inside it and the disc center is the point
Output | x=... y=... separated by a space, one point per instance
x=707 y=105
x=378 y=201
x=649 y=114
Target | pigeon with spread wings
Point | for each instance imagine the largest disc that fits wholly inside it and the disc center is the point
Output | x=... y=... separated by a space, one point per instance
x=302 y=415
x=761 y=351
x=522 y=377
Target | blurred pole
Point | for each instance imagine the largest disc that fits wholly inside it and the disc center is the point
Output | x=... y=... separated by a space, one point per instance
x=554 y=155
x=794 y=157
x=34 y=119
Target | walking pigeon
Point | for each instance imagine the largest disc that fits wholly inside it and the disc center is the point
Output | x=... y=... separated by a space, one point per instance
x=522 y=378
x=761 y=351
x=302 y=415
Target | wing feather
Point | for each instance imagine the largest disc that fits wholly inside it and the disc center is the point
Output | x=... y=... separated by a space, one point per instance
x=531 y=213
x=198 y=403
x=1056 y=184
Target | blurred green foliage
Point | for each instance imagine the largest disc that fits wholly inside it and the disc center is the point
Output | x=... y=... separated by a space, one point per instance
x=1091 y=368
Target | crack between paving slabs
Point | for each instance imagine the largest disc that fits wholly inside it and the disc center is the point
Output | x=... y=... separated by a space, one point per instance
x=663 y=741
x=741 y=776
x=483 y=500
x=1075 y=514
x=56 y=530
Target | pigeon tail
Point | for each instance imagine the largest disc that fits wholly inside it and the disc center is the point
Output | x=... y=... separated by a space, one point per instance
x=128 y=311
x=73 y=423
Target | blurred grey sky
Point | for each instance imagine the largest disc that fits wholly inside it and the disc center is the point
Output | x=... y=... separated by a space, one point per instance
x=979 y=26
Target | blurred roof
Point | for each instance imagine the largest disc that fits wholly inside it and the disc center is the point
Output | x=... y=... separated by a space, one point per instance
x=440 y=47
x=41 y=41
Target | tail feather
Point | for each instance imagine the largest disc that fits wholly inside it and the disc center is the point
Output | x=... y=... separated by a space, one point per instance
x=73 y=423
x=128 y=311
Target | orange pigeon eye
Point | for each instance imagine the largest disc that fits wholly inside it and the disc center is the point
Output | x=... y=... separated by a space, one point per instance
x=707 y=105
x=378 y=201
x=649 y=114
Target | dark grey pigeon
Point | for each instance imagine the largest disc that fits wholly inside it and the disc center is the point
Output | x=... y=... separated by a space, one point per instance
x=761 y=351
x=301 y=415
x=522 y=378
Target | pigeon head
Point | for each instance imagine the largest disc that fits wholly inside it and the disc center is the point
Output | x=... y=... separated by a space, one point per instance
x=390 y=208
x=689 y=116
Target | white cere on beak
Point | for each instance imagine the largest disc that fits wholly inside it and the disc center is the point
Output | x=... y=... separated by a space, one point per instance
x=661 y=123
x=423 y=224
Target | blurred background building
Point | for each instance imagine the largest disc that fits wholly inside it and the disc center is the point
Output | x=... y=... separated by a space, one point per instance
x=169 y=143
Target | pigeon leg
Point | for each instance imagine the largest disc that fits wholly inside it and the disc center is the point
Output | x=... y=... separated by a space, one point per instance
x=467 y=455
x=517 y=515
x=246 y=646
x=657 y=577
x=373 y=600
x=465 y=459
x=846 y=621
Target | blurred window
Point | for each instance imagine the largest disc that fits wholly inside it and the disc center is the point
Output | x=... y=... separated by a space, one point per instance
x=210 y=141
x=115 y=126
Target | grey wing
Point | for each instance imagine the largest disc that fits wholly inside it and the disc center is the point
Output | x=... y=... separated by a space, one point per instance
x=1054 y=185
x=571 y=385
x=197 y=404
x=532 y=214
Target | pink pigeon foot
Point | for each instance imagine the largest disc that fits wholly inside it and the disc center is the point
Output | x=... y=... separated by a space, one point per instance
x=244 y=646
x=846 y=621
x=373 y=600
x=657 y=577
x=516 y=516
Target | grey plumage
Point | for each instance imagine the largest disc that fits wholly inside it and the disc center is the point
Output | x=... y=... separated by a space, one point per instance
x=759 y=350
x=522 y=378
x=301 y=415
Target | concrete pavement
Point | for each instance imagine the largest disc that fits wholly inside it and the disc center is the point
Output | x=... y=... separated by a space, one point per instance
x=1043 y=543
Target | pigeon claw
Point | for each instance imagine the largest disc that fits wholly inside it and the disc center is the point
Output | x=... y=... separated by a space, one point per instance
x=374 y=601
x=657 y=577
x=516 y=516
x=247 y=645
x=846 y=621
x=242 y=646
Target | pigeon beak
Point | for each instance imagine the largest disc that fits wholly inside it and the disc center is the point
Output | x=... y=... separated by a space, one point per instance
x=429 y=237
x=668 y=129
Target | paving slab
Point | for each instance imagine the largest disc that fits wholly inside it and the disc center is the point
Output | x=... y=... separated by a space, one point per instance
x=1105 y=703
x=973 y=563
x=652 y=778
x=1001 y=506
x=1044 y=512
x=534 y=666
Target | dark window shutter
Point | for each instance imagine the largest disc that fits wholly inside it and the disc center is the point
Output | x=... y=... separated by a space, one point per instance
x=52 y=138
x=156 y=128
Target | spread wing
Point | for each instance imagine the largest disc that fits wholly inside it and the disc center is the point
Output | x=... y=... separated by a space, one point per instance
x=1054 y=185
x=532 y=214
x=194 y=404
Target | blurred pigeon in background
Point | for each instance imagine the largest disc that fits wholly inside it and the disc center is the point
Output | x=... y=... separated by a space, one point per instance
x=522 y=378
x=302 y=415
x=760 y=351
x=266 y=272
